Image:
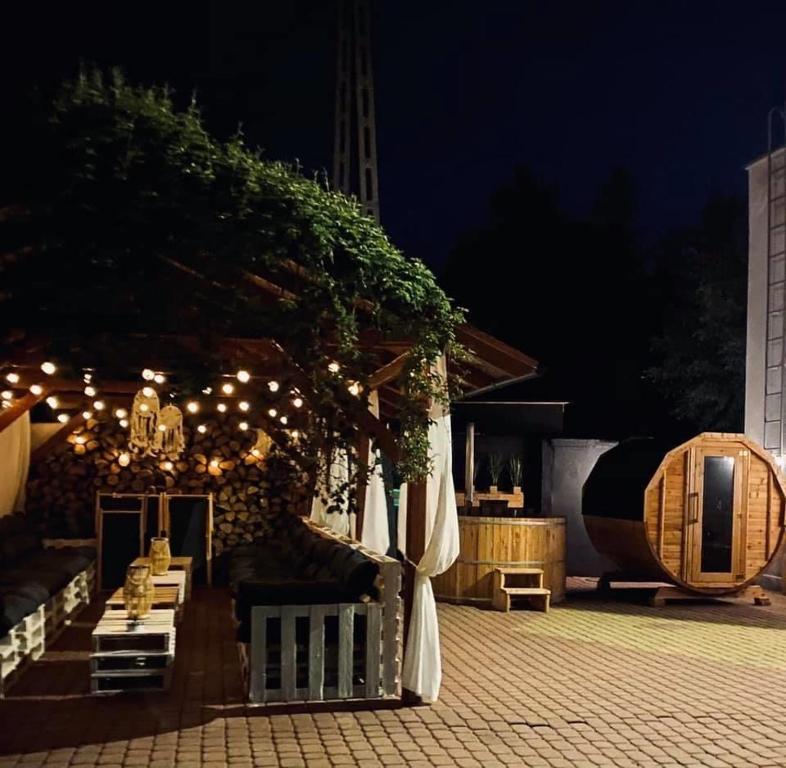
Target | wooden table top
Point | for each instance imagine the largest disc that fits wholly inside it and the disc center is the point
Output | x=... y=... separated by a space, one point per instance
x=116 y=623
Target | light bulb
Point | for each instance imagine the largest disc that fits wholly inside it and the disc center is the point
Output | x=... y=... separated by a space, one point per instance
x=298 y=402
x=222 y=407
x=148 y=374
x=144 y=407
x=207 y=390
x=87 y=415
x=227 y=388
x=123 y=423
x=159 y=378
x=99 y=405
x=121 y=413
x=12 y=378
x=243 y=376
x=354 y=388
x=334 y=367
x=36 y=389
x=63 y=417
x=273 y=386
x=124 y=459
x=87 y=378
x=52 y=401
x=48 y=368
x=201 y=429
x=7 y=394
x=90 y=391
x=214 y=463
x=148 y=391
x=272 y=413
x=168 y=466
x=162 y=427
x=295 y=434
x=80 y=439
x=256 y=452
x=243 y=425
x=283 y=419
x=243 y=405
x=192 y=406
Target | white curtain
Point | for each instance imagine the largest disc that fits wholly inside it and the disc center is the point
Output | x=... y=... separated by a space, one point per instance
x=14 y=464
x=401 y=522
x=375 y=534
x=337 y=474
x=422 y=673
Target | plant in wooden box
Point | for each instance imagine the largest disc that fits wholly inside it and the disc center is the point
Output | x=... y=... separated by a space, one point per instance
x=495 y=470
x=160 y=555
x=516 y=472
x=138 y=592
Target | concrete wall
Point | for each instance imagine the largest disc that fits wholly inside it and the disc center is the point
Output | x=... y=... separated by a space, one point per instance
x=566 y=465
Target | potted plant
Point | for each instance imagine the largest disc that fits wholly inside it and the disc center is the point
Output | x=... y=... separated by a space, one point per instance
x=516 y=472
x=495 y=470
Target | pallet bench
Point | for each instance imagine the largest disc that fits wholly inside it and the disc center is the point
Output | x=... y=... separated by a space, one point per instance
x=519 y=583
x=27 y=641
x=290 y=657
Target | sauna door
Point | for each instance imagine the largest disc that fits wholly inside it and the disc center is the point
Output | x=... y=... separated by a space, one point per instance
x=715 y=515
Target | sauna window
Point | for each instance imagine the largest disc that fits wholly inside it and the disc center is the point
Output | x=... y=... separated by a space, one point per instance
x=717 y=519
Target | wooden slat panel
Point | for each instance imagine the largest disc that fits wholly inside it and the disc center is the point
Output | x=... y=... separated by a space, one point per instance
x=373 y=649
x=316 y=653
x=346 y=622
x=288 y=652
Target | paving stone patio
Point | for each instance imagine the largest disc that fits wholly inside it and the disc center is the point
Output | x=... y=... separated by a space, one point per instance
x=593 y=683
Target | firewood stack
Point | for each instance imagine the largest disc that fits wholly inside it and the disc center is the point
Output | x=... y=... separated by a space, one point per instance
x=248 y=493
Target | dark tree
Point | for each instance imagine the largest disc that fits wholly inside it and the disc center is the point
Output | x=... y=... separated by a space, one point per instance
x=700 y=352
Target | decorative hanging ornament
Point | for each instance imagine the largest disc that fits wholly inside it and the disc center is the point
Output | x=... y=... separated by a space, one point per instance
x=144 y=422
x=169 y=439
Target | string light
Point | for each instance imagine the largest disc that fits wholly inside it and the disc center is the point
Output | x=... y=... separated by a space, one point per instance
x=334 y=367
x=214 y=463
x=192 y=406
x=123 y=423
x=283 y=419
x=87 y=378
x=159 y=378
x=243 y=376
x=243 y=426
x=121 y=413
x=12 y=378
x=99 y=405
x=162 y=427
x=298 y=402
x=295 y=434
x=144 y=407
x=52 y=401
x=148 y=391
x=243 y=405
x=36 y=389
x=148 y=374
x=48 y=368
x=227 y=388
x=168 y=466
x=273 y=386
x=124 y=459
x=87 y=415
x=90 y=391
x=354 y=388
x=63 y=417
x=272 y=413
x=80 y=439
x=222 y=407
x=201 y=429
x=7 y=394
x=207 y=390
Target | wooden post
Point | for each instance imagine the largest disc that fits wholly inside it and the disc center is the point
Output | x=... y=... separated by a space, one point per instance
x=469 y=466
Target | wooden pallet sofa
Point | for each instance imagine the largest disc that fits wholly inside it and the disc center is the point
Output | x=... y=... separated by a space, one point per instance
x=318 y=617
x=40 y=588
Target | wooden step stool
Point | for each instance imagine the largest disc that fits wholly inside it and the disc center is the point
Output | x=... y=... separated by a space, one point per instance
x=520 y=582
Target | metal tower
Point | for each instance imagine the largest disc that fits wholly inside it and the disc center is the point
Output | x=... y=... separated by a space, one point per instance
x=355 y=139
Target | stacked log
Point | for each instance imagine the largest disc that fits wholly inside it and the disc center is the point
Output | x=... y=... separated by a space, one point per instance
x=249 y=492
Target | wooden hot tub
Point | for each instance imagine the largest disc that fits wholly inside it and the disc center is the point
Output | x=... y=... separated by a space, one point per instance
x=491 y=542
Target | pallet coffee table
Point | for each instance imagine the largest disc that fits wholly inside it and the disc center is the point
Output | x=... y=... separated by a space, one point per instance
x=133 y=657
x=167 y=596
x=179 y=570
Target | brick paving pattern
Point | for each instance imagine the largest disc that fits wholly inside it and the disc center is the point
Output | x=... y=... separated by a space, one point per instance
x=593 y=683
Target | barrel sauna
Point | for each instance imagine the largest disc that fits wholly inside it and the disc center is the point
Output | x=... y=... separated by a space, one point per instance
x=490 y=542
x=706 y=515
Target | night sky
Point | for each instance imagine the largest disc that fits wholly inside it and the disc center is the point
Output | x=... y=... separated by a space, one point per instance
x=677 y=92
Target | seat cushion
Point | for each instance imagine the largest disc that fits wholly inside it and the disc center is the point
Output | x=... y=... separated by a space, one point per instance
x=27 y=589
x=48 y=579
x=13 y=608
x=71 y=560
